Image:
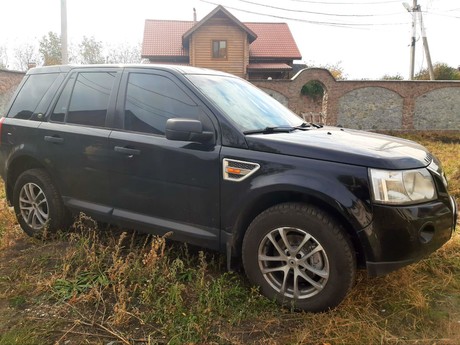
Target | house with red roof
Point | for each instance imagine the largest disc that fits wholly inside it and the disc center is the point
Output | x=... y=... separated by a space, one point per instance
x=220 y=41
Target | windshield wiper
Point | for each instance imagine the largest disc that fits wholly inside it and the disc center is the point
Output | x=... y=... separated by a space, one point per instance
x=273 y=129
x=269 y=130
x=306 y=125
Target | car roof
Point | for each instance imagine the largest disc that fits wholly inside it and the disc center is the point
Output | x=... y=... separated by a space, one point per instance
x=180 y=69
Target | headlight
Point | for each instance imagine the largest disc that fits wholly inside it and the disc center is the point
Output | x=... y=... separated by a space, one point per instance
x=402 y=187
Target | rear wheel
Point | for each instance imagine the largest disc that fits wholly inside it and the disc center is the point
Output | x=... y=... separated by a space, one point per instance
x=299 y=256
x=37 y=204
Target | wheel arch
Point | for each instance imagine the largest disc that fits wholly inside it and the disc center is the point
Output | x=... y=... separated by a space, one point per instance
x=263 y=202
x=15 y=168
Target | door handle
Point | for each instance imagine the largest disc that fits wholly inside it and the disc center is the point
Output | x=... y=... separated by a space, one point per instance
x=54 y=139
x=127 y=151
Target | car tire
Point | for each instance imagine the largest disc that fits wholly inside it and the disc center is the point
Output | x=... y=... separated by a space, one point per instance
x=299 y=256
x=38 y=205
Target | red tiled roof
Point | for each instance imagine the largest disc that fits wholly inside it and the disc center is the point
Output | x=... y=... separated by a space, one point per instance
x=163 y=38
x=269 y=66
x=273 y=40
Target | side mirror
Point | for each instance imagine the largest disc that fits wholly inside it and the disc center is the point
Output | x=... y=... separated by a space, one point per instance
x=187 y=130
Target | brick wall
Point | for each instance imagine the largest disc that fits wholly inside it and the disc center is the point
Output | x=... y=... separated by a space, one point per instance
x=9 y=80
x=379 y=105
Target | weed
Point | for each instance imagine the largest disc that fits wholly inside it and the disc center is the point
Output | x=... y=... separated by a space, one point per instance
x=101 y=286
x=18 y=301
x=84 y=281
x=20 y=336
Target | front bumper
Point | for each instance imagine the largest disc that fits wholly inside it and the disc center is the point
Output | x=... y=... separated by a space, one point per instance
x=399 y=236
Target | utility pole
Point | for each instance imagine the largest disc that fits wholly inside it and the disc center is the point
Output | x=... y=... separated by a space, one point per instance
x=413 y=39
x=416 y=13
x=64 y=53
x=425 y=46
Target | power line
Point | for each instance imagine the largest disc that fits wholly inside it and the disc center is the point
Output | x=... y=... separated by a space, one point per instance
x=347 y=3
x=441 y=14
x=318 y=13
x=325 y=23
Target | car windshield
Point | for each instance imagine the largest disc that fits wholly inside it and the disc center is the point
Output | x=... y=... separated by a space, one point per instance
x=248 y=107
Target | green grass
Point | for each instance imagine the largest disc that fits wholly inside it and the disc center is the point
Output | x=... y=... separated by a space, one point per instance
x=22 y=334
x=93 y=286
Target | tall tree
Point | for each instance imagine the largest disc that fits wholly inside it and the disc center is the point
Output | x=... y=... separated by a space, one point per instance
x=442 y=71
x=50 y=49
x=91 y=51
x=25 y=55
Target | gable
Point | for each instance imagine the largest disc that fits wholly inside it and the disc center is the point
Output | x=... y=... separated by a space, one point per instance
x=220 y=13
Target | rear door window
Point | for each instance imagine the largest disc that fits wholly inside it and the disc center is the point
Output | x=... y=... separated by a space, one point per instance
x=60 y=110
x=85 y=100
x=32 y=92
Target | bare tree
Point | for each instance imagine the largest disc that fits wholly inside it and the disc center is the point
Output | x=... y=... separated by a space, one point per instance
x=124 y=53
x=25 y=55
x=3 y=58
x=73 y=53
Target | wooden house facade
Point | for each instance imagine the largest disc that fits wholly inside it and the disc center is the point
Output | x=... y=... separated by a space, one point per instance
x=220 y=41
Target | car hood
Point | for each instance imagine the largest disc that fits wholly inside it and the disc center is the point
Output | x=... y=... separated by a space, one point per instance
x=344 y=146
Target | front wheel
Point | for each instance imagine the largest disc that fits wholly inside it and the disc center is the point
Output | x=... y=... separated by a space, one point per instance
x=299 y=256
x=37 y=203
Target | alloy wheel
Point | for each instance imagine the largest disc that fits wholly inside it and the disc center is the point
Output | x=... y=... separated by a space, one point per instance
x=293 y=262
x=33 y=206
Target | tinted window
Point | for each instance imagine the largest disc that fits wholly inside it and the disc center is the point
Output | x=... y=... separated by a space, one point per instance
x=90 y=99
x=151 y=100
x=31 y=94
x=60 y=110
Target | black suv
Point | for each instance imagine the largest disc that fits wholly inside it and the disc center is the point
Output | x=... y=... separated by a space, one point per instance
x=217 y=162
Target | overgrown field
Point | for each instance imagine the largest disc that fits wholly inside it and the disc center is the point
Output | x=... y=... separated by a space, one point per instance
x=101 y=286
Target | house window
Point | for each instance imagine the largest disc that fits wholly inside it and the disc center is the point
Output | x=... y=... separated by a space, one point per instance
x=219 y=49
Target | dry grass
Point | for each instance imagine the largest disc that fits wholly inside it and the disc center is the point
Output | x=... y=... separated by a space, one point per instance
x=9 y=230
x=98 y=286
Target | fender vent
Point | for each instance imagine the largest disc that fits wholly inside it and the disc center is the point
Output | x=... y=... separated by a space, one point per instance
x=235 y=170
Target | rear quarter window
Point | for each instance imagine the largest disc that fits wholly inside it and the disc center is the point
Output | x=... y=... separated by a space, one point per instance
x=30 y=95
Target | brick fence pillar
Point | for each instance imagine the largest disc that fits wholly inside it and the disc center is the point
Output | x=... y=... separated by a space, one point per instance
x=408 y=113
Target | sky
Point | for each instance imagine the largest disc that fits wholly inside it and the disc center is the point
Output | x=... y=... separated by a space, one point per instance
x=366 y=38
